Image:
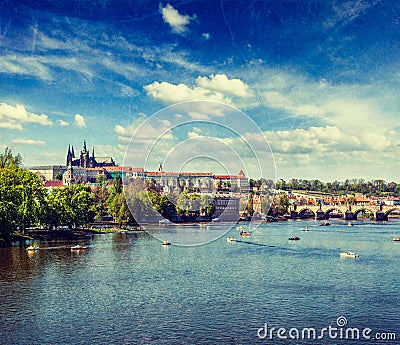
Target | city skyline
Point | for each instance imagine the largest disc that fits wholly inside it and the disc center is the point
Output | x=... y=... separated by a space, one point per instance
x=319 y=79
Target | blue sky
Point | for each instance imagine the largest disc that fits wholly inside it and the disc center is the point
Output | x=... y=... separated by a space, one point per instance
x=320 y=78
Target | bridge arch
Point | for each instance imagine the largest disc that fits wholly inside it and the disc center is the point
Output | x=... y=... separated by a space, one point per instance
x=391 y=210
x=327 y=212
x=363 y=210
x=306 y=213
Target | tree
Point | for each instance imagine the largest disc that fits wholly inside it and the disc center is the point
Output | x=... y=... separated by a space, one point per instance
x=8 y=216
x=59 y=176
x=120 y=209
x=117 y=184
x=281 y=203
x=24 y=190
x=7 y=159
x=74 y=205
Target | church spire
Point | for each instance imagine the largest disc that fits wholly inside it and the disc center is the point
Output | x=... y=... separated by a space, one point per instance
x=72 y=152
x=69 y=155
x=84 y=145
x=93 y=152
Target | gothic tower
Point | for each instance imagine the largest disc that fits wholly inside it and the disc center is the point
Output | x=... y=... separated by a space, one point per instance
x=84 y=157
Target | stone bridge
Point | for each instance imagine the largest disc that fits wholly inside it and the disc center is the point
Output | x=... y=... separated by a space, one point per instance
x=345 y=212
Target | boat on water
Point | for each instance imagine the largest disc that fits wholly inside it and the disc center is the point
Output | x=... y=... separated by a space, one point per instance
x=32 y=248
x=325 y=224
x=350 y=224
x=294 y=238
x=164 y=222
x=305 y=229
x=78 y=247
x=244 y=233
x=396 y=239
x=230 y=239
x=349 y=254
x=166 y=243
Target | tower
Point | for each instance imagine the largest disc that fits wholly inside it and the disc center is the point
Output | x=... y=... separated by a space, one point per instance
x=84 y=157
x=68 y=176
x=69 y=156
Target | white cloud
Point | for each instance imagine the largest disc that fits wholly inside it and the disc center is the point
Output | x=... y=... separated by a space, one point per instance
x=214 y=88
x=79 y=121
x=206 y=36
x=62 y=123
x=348 y=11
x=177 y=21
x=13 y=117
x=221 y=83
x=24 y=65
x=170 y=93
x=23 y=141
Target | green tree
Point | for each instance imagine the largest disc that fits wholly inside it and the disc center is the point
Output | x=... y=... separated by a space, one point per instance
x=59 y=176
x=25 y=191
x=74 y=205
x=117 y=184
x=8 y=159
x=8 y=216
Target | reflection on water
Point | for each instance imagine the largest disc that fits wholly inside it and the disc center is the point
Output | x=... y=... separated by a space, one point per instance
x=126 y=288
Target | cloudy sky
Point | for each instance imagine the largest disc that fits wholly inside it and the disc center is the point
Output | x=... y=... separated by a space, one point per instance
x=320 y=79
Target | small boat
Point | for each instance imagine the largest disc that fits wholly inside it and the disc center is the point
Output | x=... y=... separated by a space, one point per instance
x=32 y=248
x=294 y=238
x=244 y=233
x=305 y=229
x=164 y=222
x=349 y=254
x=350 y=224
x=325 y=224
x=396 y=239
x=166 y=243
x=230 y=239
x=78 y=247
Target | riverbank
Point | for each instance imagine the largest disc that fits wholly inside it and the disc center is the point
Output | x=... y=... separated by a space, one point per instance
x=61 y=234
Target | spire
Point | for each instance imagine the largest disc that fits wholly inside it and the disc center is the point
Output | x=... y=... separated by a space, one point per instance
x=93 y=153
x=69 y=155
x=84 y=145
x=72 y=152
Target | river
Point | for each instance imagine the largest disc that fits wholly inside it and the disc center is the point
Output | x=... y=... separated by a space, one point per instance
x=127 y=288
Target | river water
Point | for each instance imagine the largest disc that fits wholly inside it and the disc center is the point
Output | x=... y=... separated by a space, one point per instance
x=127 y=288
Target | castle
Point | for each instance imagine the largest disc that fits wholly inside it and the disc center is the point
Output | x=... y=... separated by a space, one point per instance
x=85 y=160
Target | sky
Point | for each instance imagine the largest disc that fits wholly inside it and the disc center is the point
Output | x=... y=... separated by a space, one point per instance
x=317 y=80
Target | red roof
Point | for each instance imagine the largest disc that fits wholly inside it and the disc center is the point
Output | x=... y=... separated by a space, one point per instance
x=53 y=183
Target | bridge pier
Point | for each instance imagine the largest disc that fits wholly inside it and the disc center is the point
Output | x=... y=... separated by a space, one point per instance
x=381 y=216
x=350 y=215
x=320 y=215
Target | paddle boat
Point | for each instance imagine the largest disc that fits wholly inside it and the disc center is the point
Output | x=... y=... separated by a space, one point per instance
x=230 y=239
x=325 y=224
x=166 y=243
x=294 y=238
x=396 y=239
x=244 y=233
x=349 y=254
x=32 y=248
x=78 y=247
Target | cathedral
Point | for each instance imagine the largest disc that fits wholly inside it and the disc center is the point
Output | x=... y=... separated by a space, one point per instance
x=85 y=160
